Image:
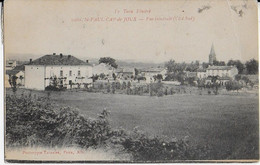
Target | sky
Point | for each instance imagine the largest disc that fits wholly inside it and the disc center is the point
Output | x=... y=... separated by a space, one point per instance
x=35 y=28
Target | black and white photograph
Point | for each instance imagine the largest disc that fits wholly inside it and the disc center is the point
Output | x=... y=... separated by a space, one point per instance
x=94 y=81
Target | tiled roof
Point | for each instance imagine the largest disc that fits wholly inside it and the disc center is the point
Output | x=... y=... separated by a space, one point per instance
x=219 y=67
x=58 y=60
x=12 y=72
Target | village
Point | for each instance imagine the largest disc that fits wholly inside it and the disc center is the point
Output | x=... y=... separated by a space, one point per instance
x=66 y=72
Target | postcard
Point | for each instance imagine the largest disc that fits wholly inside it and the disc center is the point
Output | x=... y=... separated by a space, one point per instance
x=131 y=81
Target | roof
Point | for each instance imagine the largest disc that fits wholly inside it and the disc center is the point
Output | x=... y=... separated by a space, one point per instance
x=220 y=67
x=191 y=74
x=125 y=70
x=212 y=51
x=20 y=67
x=12 y=72
x=58 y=60
x=152 y=70
x=201 y=70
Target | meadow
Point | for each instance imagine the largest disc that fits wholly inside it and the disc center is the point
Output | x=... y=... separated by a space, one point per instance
x=227 y=125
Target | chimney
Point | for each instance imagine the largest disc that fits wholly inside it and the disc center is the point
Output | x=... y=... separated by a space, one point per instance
x=60 y=55
x=86 y=61
x=54 y=53
x=30 y=60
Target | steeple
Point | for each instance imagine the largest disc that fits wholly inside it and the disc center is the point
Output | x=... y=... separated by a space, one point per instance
x=212 y=55
x=212 y=51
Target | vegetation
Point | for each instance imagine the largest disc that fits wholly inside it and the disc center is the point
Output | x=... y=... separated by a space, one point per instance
x=34 y=121
x=238 y=64
x=108 y=60
x=233 y=85
x=252 y=66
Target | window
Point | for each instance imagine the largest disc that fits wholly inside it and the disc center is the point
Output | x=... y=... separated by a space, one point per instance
x=61 y=73
x=79 y=73
x=70 y=73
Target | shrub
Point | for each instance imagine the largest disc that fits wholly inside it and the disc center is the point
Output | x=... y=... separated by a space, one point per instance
x=36 y=122
x=233 y=85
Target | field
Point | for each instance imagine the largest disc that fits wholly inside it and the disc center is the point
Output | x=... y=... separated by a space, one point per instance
x=227 y=124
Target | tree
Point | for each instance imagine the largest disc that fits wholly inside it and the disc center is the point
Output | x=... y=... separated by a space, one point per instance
x=108 y=60
x=12 y=82
x=136 y=72
x=238 y=64
x=246 y=79
x=205 y=65
x=158 y=77
x=219 y=63
x=252 y=66
x=171 y=66
x=192 y=67
x=114 y=76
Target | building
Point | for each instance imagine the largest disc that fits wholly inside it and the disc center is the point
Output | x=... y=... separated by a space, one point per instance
x=225 y=73
x=18 y=71
x=212 y=55
x=125 y=73
x=201 y=73
x=149 y=73
x=103 y=68
x=10 y=64
x=64 y=70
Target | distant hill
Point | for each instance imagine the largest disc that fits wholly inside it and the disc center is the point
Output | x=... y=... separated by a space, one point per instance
x=130 y=63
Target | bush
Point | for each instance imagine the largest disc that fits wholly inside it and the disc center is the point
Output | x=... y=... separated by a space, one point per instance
x=36 y=122
x=233 y=85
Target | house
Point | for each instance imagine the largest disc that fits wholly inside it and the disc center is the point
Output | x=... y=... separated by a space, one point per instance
x=222 y=71
x=149 y=73
x=201 y=73
x=10 y=64
x=125 y=73
x=191 y=74
x=103 y=68
x=18 y=71
x=64 y=70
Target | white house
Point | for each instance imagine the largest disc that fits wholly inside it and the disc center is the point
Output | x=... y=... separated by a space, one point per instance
x=18 y=71
x=10 y=64
x=151 y=72
x=125 y=73
x=201 y=73
x=66 y=70
x=103 y=68
x=222 y=71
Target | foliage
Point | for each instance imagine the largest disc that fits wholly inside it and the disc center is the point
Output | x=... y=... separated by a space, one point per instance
x=252 y=66
x=158 y=77
x=238 y=64
x=233 y=85
x=108 y=60
x=219 y=63
x=192 y=67
x=173 y=67
x=12 y=81
x=32 y=121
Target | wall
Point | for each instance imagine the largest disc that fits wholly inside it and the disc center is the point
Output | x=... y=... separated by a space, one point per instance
x=85 y=71
x=34 y=77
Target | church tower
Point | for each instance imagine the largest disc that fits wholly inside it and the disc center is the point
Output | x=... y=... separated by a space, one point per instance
x=212 y=55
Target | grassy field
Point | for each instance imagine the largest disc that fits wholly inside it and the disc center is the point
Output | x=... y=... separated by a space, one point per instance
x=228 y=124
